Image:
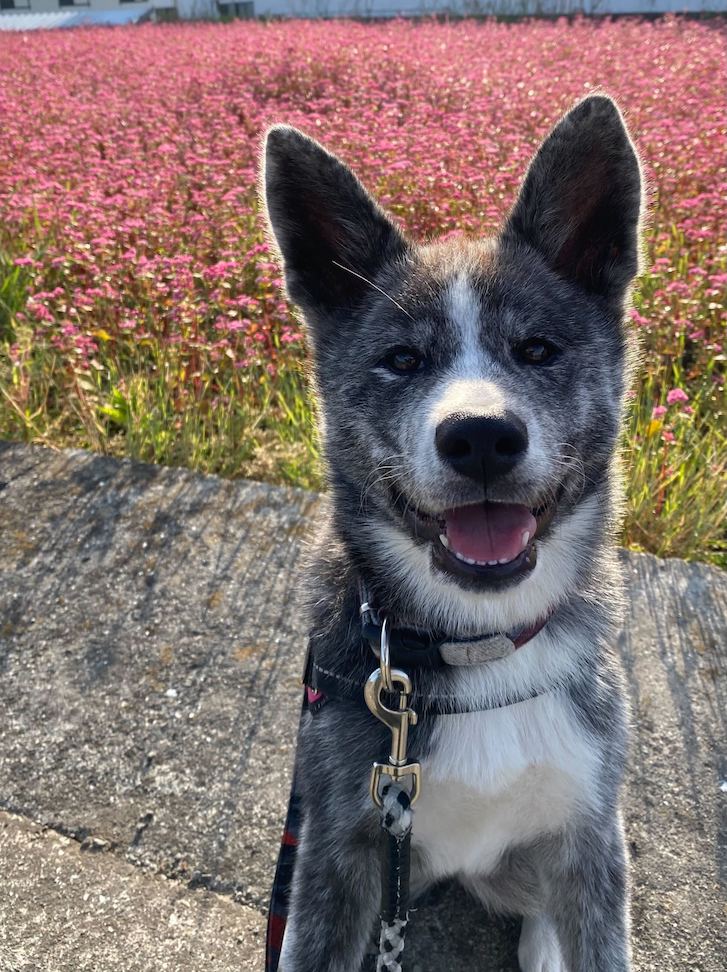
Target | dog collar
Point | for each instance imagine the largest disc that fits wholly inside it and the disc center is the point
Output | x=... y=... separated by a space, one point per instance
x=412 y=649
x=417 y=652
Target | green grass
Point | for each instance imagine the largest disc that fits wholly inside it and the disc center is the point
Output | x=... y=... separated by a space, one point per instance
x=140 y=402
x=676 y=490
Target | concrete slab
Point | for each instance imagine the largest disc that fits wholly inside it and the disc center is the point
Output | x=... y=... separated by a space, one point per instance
x=91 y=911
x=151 y=642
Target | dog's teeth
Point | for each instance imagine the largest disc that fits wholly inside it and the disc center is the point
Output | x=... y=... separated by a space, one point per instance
x=503 y=561
x=443 y=540
x=526 y=537
x=468 y=560
x=492 y=563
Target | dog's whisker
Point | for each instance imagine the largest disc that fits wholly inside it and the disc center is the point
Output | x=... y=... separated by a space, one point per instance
x=383 y=293
x=385 y=471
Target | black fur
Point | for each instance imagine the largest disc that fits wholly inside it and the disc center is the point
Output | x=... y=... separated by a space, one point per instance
x=580 y=204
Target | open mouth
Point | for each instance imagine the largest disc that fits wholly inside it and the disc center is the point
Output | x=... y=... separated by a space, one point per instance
x=490 y=544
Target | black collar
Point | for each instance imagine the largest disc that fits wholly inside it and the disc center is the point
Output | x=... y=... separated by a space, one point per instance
x=414 y=652
x=412 y=649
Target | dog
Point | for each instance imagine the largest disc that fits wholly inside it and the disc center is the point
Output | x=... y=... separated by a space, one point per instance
x=470 y=395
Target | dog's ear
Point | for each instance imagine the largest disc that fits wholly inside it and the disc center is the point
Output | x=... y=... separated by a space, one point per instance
x=332 y=236
x=580 y=203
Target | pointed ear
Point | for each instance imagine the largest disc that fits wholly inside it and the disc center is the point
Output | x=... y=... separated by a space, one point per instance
x=580 y=204
x=323 y=219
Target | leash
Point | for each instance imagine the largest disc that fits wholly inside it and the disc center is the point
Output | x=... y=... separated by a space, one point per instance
x=394 y=801
x=396 y=821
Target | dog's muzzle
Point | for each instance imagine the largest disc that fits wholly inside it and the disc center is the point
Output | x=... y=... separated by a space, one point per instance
x=484 y=545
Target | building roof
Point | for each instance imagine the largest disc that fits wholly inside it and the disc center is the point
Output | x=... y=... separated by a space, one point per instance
x=75 y=18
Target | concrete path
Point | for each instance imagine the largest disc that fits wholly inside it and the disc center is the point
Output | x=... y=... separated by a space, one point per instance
x=151 y=643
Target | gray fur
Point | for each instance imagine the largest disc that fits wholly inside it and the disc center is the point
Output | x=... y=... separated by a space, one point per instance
x=560 y=269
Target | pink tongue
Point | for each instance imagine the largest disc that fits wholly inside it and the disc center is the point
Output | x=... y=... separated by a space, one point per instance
x=489 y=531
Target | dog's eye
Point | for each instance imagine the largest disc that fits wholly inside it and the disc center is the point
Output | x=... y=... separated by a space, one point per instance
x=403 y=361
x=536 y=351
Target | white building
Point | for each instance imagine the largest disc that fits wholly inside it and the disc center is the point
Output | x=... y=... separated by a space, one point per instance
x=517 y=8
x=28 y=14
x=35 y=14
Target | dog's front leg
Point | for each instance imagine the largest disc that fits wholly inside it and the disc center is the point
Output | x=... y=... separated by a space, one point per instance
x=334 y=902
x=588 y=901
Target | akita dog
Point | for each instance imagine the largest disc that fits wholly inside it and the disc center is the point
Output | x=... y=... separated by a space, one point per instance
x=471 y=395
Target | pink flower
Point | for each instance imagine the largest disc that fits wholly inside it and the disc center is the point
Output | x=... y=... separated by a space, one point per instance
x=638 y=319
x=676 y=395
x=140 y=217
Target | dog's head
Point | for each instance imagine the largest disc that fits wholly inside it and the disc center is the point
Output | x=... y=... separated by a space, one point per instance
x=471 y=391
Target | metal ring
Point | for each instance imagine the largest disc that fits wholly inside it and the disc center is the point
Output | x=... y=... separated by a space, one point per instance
x=385 y=658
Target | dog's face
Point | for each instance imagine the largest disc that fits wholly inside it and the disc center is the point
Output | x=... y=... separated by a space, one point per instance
x=471 y=392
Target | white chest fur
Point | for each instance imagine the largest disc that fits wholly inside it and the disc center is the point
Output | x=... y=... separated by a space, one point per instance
x=500 y=778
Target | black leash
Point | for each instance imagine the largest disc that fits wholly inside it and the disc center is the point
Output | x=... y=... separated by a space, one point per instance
x=394 y=798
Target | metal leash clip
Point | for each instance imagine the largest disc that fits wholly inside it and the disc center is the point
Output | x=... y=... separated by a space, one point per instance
x=393 y=681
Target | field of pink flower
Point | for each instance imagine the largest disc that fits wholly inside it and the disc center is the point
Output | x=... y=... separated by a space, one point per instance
x=140 y=307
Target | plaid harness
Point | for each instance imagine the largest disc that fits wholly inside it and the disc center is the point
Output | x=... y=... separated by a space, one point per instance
x=280 y=896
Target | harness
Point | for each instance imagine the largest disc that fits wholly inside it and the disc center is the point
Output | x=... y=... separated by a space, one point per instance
x=401 y=654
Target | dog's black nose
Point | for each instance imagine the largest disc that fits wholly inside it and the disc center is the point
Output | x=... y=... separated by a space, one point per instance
x=481 y=447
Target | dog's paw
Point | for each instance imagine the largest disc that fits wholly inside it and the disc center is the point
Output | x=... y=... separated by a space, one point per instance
x=539 y=950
